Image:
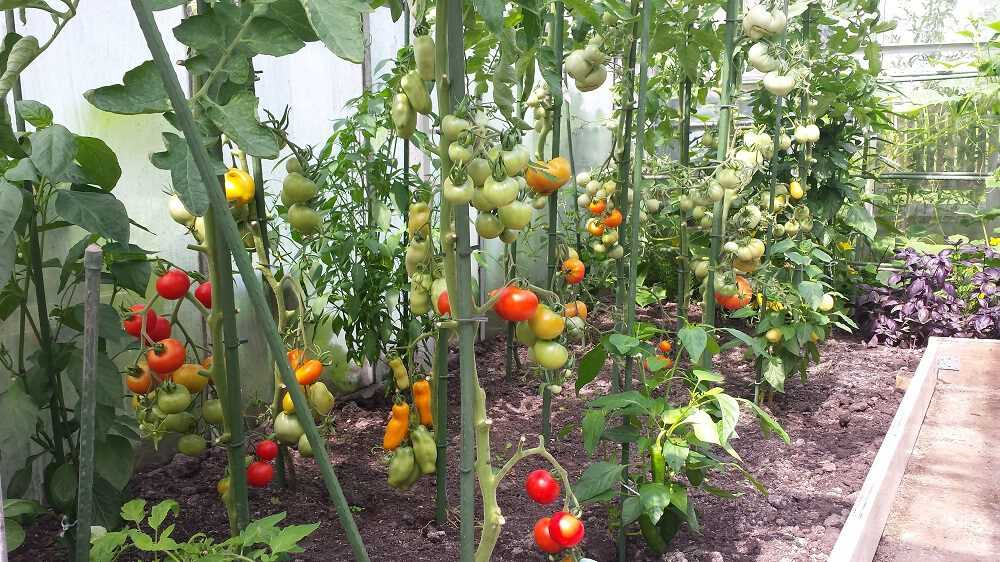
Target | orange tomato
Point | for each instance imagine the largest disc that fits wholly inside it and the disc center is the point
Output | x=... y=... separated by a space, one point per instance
x=597 y=207
x=573 y=271
x=744 y=293
x=189 y=376
x=295 y=357
x=574 y=309
x=595 y=227
x=309 y=372
x=614 y=219
x=139 y=381
x=665 y=346
x=553 y=175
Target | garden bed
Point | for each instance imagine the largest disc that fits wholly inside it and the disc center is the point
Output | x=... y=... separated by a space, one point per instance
x=836 y=421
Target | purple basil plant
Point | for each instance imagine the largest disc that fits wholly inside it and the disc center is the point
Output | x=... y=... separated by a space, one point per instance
x=922 y=300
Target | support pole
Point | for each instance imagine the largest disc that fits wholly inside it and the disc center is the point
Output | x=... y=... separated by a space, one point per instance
x=684 y=260
x=92 y=261
x=219 y=210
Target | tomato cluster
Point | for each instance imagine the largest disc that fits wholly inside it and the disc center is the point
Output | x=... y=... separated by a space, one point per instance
x=562 y=529
x=260 y=472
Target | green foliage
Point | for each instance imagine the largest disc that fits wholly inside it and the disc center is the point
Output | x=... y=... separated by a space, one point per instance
x=261 y=540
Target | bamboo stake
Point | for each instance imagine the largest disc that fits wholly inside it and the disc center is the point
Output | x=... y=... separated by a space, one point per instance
x=219 y=210
x=683 y=269
x=92 y=261
x=725 y=125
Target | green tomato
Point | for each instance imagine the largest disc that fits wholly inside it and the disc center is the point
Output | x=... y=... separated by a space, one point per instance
x=304 y=446
x=515 y=215
x=452 y=127
x=173 y=398
x=515 y=161
x=501 y=192
x=458 y=194
x=550 y=354
x=508 y=236
x=181 y=422
x=211 y=411
x=287 y=428
x=304 y=219
x=459 y=153
x=297 y=188
x=488 y=225
x=479 y=170
x=523 y=333
x=404 y=119
x=191 y=445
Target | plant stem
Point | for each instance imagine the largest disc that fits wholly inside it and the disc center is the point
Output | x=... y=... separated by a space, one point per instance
x=226 y=226
x=725 y=124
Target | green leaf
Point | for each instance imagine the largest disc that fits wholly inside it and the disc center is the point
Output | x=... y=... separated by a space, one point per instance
x=160 y=511
x=694 y=339
x=730 y=410
x=113 y=460
x=703 y=426
x=766 y=421
x=631 y=509
x=655 y=498
x=597 y=481
x=184 y=175
x=856 y=216
x=622 y=400
x=157 y=5
x=270 y=37
x=13 y=533
x=134 y=511
x=338 y=25
x=99 y=213
x=811 y=293
x=34 y=112
x=20 y=414
x=675 y=455
x=98 y=162
x=589 y=367
x=621 y=434
x=584 y=9
x=623 y=345
x=549 y=67
x=774 y=373
x=11 y=201
x=288 y=538
x=53 y=150
x=107 y=504
x=108 y=322
x=24 y=170
x=753 y=343
x=593 y=429
x=293 y=16
x=141 y=91
x=238 y=120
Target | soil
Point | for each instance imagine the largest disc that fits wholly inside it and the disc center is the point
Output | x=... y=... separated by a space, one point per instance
x=836 y=421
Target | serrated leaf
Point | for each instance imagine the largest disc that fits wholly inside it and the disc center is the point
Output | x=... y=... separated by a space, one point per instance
x=811 y=293
x=337 y=23
x=270 y=37
x=238 y=120
x=184 y=175
x=141 y=91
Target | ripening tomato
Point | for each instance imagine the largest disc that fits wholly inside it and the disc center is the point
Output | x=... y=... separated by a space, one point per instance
x=159 y=330
x=165 y=356
x=189 y=375
x=542 y=537
x=552 y=176
x=266 y=450
x=173 y=284
x=576 y=309
x=139 y=381
x=295 y=357
x=565 y=529
x=516 y=304
x=541 y=486
x=665 y=346
x=595 y=227
x=546 y=324
x=309 y=372
x=133 y=323
x=597 y=207
x=443 y=304
x=614 y=219
x=573 y=270
x=259 y=474
x=204 y=294
x=737 y=301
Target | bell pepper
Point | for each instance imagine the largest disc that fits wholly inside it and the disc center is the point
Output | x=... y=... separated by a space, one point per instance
x=239 y=186
x=398 y=427
x=401 y=467
x=399 y=374
x=424 y=449
x=422 y=400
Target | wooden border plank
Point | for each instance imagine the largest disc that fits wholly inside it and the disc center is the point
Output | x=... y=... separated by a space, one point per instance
x=862 y=532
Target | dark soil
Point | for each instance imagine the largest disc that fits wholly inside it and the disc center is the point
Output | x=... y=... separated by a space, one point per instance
x=836 y=421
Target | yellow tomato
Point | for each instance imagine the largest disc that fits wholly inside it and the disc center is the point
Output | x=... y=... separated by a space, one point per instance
x=773 y=335
x=795 y=190
x=188 y=376
x=239 y=186
x=546 y=324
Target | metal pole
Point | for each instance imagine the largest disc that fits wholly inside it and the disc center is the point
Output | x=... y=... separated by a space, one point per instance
x=92 y=261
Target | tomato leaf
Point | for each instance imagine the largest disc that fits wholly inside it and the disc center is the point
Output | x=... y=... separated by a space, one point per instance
x=585 y=9
x=238 y=120
x=338 y=25
x=270 y=37
x=590 y=366
x=184 y=175
x=141 y=91
x=113 y=460
x=774 y=373
x=857 y=216
x=811 y=293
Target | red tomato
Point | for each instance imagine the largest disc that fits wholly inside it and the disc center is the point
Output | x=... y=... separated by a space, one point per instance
x=444 y=305
x=541 y=486
x=742 y=297
x=542 y=537
x=259 y=474
x=173 y=284
x=516 y=304
x=159 y=330
x=613 y=219
x=133 y=323
x=204 y=294
x=166 y=356
x=565 y=529
x=266 y=450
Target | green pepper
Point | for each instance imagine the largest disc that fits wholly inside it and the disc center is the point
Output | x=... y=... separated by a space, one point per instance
x=415 y=91
x=658 y=462
x=424 y=449
x=651 y=533
x=401 y=468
